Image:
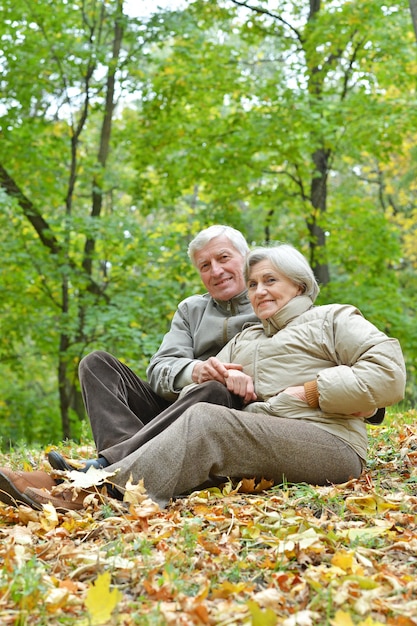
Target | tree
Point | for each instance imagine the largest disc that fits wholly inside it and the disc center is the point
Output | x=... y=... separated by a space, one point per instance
x=413 y=10
x=64 y=187
x=122 y=137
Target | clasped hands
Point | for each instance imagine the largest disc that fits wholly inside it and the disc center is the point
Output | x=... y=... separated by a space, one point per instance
x=236 y=381
x=241 y=384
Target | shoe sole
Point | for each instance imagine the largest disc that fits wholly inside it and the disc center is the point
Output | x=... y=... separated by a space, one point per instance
x=60 y=505
x=12 y=496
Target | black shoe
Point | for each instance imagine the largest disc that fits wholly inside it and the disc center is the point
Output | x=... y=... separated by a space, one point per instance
x=376 y=419
x=58 y=462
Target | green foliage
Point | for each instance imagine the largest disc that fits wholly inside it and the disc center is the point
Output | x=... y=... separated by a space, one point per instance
x=125 y=136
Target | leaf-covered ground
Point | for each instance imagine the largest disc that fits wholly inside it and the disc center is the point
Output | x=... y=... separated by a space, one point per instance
x=294 y=555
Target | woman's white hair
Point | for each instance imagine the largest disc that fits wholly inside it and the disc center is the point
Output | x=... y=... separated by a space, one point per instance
x=289 y=262
x=205 y=236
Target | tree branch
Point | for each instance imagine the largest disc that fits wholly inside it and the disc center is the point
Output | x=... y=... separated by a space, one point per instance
x=30 y=211
x=263 y=11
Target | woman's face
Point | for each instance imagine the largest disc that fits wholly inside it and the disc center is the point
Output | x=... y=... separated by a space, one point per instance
x=269 y=290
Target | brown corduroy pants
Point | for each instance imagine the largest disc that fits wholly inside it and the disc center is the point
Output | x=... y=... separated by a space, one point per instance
x=125 y=412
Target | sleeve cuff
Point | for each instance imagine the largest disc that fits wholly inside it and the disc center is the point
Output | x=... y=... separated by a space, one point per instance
x=312 y=393
x=185 y=377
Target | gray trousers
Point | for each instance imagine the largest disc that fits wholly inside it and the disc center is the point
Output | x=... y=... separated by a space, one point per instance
x=125 y=412
x=207 y=443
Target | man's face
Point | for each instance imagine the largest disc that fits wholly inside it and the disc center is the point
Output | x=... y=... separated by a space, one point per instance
x=221 y=268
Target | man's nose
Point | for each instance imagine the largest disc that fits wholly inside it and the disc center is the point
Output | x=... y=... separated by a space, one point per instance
x=216 y=268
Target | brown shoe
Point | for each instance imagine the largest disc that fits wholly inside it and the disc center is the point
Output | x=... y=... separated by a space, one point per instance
x=14 y=484
x=64 y=500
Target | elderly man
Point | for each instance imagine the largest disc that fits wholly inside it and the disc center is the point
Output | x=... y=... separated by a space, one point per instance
x=126 y=411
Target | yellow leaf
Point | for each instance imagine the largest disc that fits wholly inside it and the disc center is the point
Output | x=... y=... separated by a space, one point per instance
x=227 y=589
x=369 y=505
x=261 y=617
x=341 y=619
x=101 y=601
x=303 y=540
x=346 y=561
x=363 y=533
x=49 y=517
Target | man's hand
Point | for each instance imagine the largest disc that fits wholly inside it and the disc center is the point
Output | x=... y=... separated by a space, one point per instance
x=212 y=369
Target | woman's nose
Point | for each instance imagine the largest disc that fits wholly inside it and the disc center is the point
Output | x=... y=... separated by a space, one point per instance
x=260 y=288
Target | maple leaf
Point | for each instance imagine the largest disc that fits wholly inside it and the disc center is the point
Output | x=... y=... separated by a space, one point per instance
x=91 y=478
x=135 y=494
x=101 y=601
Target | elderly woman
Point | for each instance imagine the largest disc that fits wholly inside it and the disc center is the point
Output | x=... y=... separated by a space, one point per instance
x=311 y=376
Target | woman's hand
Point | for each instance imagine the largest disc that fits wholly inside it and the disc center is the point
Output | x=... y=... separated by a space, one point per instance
x=297 y=392
x=240 y=384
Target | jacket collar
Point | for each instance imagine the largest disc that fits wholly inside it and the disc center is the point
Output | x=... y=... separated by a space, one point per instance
x=241 y=299
x=293 y=308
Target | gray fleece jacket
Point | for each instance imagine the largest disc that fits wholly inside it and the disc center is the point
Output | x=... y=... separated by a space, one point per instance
x=201 y=326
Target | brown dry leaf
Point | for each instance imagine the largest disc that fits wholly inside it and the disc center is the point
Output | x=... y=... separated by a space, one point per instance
x=21 y=535
x=253 y=485
x=135 y=494
x=204 y=557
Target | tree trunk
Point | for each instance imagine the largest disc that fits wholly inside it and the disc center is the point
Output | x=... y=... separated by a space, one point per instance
x=413 y=9
x=318 y=185
x=69 y=394
x=319 y=202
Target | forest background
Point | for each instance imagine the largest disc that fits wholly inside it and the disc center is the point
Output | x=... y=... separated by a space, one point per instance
x=122 y=135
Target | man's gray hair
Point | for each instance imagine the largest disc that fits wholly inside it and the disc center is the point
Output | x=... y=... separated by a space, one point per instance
x=289 y=262
x=205 y=236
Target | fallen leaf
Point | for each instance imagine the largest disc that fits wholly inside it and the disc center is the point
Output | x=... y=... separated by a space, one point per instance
x=342 y=619
x=226 y=589
x=101 y=600
x=252 y=485
x=370 y=504
x=261 y=617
